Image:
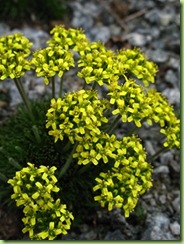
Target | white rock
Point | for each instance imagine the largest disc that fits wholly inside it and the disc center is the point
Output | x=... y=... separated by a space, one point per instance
x=175 y=228
x=137 y=39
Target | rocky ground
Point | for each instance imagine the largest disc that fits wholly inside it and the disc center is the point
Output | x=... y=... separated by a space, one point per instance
x=153 y=26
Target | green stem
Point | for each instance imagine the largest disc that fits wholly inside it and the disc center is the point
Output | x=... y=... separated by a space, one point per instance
x=68 y=162
x=67 y=146
x=114 y=124
x=36 y=133
x=156 y=154
x=53 y=87
x=61 y=86
x=14 y=163
x=22 y=92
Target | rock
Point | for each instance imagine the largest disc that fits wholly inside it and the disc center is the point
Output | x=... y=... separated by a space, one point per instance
x=174 y=63
x=166 y=157
x=115 y=30
x=163 y=169
x=115 y=235
x=176 y=204
x=158 y=56
x=85 y=22
x=137 y=39
x=149 y=147
x=175 y=228
x=166 y=18
x=153 y=16
x=90 y=235
x=162 y=199
x=173 y=96
x=100 y=33
x=40 y=89
x=158 y=228
x=171 y=78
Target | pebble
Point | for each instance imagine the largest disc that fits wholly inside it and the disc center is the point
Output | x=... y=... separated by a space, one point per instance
x=137 y=39
x=100 y=33
x=171 y=78
x=149 y=147
x=114 y=235
x=176 y=204
x=165 y=19
x=166 y=157
x=162 y=199
x=158 y=226
x=158 y=56
x=163 y=169
x=90 y=235
x=173 y=96
x=175 y=228
x=153 y=16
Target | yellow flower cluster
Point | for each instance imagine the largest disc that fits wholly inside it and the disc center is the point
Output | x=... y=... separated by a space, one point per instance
x=130 y=177
x=98 y=64
x=163 y=113
x=93 y=149
x=68 y=38
x=136 y=62
x=13 y=51
x=44 y=217
x=130 y=101
x=77 y=114
x=52 y=61
x=136 y=104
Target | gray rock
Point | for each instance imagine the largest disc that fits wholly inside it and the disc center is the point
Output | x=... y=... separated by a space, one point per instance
x=40 y=89
x=115 y=235
x=158 y=56
x=174 y=63
x=162 y=199
x=166 y=18
x=90 y=235
x=153 y=16
x=166 y=157
x=115 y=30
x=176 y=204
x=158 y=228
x=137 y=39
x=100 y=33
x=175 y=228
x=163 y=169
x=171 y=78
x=85 y=22
x=149 y=147
x=173 y=96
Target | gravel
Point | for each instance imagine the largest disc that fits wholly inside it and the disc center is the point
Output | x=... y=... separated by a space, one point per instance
x=153 y=26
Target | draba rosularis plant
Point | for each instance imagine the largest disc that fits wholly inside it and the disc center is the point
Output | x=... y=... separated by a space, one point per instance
x=90 y=161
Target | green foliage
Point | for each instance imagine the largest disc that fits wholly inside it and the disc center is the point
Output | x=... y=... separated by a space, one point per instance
x=23 y=10
x=72 y=139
